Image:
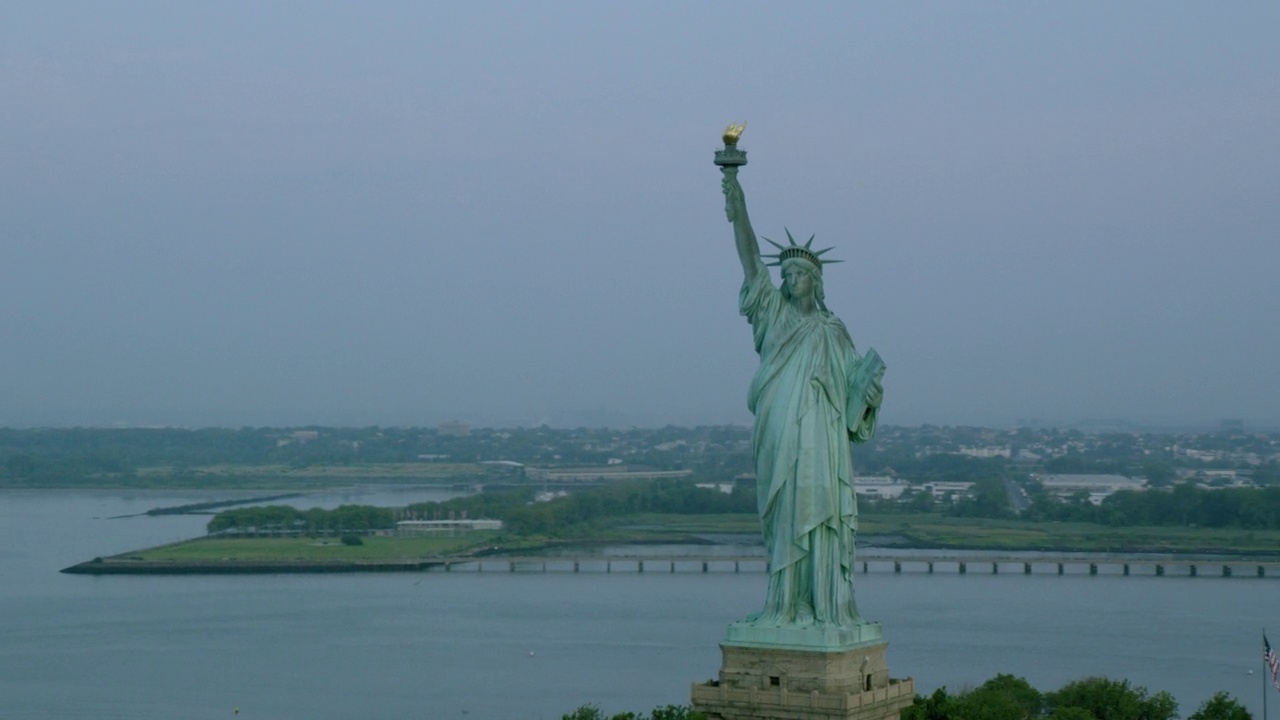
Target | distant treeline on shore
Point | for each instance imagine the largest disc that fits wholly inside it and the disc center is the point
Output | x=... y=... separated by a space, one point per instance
x=571 y=514
x=588 y=510
x=1183 y=505
x=68 y=457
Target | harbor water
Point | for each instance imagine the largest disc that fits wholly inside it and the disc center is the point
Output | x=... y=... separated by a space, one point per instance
x=533 y=645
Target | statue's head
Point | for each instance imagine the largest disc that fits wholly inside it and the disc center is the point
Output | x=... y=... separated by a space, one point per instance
x=801 y=279
x=806 y=269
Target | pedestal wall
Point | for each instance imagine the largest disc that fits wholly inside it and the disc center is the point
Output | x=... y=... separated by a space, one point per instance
x=762 y=683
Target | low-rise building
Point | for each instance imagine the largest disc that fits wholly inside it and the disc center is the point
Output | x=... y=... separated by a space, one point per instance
x=879 y=486
x=944 y=489
x=606 y=473
x=453 y=429
x=1099 y=487
x=433 y=526
x=985 y=452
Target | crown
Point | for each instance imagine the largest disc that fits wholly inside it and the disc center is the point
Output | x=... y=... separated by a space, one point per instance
x=787 y=252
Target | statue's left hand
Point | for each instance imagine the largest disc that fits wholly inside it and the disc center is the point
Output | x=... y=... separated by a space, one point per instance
x=875 y=395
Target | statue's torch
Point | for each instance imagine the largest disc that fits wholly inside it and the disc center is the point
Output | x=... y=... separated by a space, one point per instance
x=731 y=158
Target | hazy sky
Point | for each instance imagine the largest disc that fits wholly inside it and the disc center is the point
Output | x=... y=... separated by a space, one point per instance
x=506 y=213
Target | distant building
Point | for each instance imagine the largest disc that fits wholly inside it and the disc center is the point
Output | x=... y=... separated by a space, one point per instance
x=302 y=437
x=1099 y=487
x=605 y=473
x=985 y=452
x=943 y=489
x=1218 y=479
x=453 y=429
x=431 y=526
x=879 y=486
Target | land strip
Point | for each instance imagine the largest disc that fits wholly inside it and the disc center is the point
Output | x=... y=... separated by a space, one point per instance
x=919 y=532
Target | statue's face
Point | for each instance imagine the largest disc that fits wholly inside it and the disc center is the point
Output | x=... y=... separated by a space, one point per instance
x=797 y=280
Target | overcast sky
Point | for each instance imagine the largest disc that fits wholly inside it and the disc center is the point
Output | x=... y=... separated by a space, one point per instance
x=506 y=213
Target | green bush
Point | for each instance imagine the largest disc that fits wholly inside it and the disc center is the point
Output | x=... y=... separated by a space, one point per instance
x=1221 y=707
x=1006 y=697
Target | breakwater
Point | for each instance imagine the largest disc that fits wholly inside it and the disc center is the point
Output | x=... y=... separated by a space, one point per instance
x=125 y=566
x=204 y=507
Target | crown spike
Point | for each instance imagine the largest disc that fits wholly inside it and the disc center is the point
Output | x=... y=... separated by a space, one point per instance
x=796 y=250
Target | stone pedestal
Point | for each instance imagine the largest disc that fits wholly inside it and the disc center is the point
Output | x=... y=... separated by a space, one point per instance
x=784 y=681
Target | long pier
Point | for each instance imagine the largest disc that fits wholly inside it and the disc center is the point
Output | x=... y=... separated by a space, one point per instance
x=867 y=562
x=923 y=562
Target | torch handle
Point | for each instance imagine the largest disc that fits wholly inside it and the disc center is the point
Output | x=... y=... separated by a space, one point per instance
x=732 y=191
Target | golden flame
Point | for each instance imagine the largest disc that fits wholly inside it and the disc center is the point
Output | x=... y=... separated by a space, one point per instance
x=733 y=132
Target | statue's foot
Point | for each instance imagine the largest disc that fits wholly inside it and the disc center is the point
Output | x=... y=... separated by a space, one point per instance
x=805 y=616
x=764 y=620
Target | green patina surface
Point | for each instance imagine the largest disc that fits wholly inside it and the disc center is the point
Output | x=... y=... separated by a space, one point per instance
x=812 y=394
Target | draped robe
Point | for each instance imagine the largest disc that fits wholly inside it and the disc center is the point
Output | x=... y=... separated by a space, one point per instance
x=801 y=399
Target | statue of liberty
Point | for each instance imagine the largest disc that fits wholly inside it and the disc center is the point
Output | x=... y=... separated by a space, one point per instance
x=812 y=394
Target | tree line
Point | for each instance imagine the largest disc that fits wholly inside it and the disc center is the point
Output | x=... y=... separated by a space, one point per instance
x=575 y=512
x=275 y=518
x=1006 y=697
x=517 y=510
x=1185 y=505
x=67 y=457
x=64 y=457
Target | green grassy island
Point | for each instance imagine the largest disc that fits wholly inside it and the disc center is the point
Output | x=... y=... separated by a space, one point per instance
x=389 y=551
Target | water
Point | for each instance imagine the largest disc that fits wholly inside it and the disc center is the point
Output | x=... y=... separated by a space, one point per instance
x=530 y=645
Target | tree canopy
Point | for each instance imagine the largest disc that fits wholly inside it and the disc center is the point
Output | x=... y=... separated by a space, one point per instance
x=1007 y=697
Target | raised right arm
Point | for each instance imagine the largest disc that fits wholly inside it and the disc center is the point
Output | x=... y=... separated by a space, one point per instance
x=735 y=208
